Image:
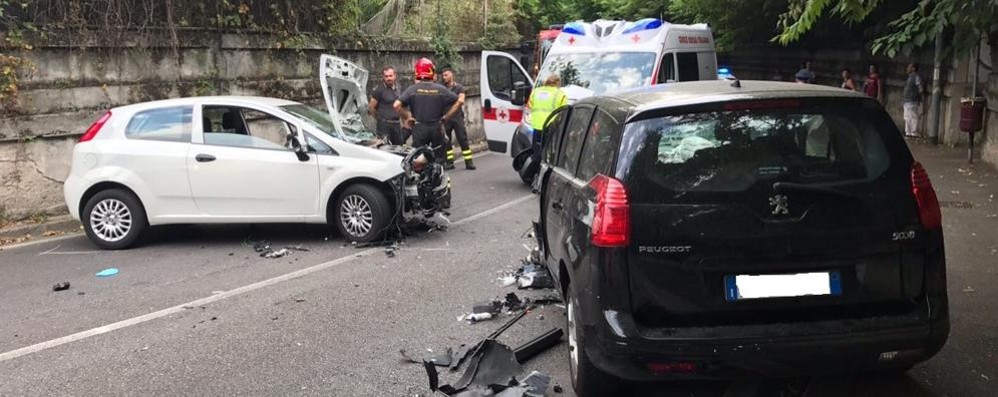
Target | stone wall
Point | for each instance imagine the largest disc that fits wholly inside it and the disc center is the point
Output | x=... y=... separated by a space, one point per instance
x=74 y=80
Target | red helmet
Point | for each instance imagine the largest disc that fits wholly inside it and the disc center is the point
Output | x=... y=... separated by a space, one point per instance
x=424 y=69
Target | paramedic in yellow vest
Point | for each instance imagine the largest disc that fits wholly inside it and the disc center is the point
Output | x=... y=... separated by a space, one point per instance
x=544 y=100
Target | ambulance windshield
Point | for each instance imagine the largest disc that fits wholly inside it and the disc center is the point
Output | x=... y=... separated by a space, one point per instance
x=600 y=72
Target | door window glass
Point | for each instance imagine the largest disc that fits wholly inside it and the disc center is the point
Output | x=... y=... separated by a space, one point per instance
x=578 y=123
x=168 y=124
x=552 y=136
x=667 y=70
x=317 y=146
x=597 y=151
x=243 y=127
x=503 y=73
x=689 y=67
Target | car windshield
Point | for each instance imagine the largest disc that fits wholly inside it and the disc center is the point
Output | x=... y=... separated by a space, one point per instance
x=601 y=72
x=732 y=151
x=352 y=132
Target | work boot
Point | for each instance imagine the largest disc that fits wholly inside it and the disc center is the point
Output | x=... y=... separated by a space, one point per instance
x=449 y=165
x=469 y=165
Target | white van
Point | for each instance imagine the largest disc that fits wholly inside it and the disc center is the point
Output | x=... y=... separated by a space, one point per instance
x=591 y=58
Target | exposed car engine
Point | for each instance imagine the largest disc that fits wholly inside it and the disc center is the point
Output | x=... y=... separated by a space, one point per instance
x=424 y=188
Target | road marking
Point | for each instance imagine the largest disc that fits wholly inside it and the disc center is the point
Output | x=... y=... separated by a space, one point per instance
x=54 y=252
x=10 y=355
x=40 y=241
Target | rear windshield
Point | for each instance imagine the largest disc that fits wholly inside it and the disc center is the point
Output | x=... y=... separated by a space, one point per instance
x=754 y=144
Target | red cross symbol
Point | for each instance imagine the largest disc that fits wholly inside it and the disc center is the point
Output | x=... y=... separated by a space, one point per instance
x=502 y=115
x=571 y=40
x=635 y=38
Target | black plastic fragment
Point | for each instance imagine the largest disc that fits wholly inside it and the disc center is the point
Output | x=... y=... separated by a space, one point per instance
x=61 y=286
x=539 y=344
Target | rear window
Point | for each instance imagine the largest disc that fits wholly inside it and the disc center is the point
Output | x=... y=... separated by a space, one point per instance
x=167 y=124
x=744 y=146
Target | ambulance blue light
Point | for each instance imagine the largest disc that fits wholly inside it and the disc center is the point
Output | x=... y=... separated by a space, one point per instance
x=644 y=24
x=723 y=70
x=574 y=28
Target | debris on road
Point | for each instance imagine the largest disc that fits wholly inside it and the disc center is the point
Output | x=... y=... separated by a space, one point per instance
x=61 y=286
x=441 y=360
x=507 y=280
x=390 y=250
x=557 y=389
x=111 y=271
x=265 y=249
x=969 y=289
x=539 y=344
x=299 y=300
x=534 y=275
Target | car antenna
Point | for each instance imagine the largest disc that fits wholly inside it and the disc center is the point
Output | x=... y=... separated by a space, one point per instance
x=737 y=83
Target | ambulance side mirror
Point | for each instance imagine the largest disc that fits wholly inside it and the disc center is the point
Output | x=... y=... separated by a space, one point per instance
x=521 y=91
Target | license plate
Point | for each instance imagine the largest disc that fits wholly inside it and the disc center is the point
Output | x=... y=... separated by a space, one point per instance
x=741 y=287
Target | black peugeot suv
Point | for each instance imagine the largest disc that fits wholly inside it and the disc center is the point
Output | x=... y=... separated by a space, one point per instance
x=719 y=230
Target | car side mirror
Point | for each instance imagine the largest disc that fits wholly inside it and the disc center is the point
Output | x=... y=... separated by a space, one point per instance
x=521 y=91
x=298 y=148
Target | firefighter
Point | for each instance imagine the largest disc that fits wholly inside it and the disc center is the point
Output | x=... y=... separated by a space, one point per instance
x=544 y=100
x=455 y=126
x=426 y=106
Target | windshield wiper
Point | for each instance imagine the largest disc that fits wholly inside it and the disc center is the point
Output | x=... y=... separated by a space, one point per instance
x=788 y=186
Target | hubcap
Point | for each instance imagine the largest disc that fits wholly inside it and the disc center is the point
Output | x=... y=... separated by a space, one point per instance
x=356 y=215
x=573 y=340
x=111 y=220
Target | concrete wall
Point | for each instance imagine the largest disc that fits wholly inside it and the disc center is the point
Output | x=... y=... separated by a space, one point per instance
x=74 y=80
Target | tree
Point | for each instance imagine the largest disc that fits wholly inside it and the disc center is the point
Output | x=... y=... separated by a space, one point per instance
x=969 y=20
x=733 y=21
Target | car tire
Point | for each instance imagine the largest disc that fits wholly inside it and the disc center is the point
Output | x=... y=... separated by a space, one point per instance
x=362 y=213
x=521 y=158
x=114 y=219
x=587 y=380
x=528 y=171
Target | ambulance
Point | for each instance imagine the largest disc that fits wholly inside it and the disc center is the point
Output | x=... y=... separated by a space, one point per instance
x=591 y=58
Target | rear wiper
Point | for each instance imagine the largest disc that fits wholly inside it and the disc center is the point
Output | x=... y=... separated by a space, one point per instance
x=785 y=186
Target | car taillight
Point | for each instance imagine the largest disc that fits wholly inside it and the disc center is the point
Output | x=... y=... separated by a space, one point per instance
x=95 y=127
x=925 y=196
x=612 y=216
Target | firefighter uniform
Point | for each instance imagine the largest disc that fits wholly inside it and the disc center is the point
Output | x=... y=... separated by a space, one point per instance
x=428 y=102
x=455 y=127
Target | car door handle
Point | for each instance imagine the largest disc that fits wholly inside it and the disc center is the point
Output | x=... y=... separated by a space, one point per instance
x=204 y=158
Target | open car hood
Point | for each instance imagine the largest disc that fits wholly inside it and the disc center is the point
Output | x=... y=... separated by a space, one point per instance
x=343 y=87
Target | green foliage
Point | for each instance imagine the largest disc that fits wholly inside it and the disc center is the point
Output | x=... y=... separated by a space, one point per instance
x=732 y=21
x=500 y=32
x=970 y=20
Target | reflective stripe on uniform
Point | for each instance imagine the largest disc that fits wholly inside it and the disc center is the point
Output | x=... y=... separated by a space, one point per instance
x=450 y=155
x=466 y=154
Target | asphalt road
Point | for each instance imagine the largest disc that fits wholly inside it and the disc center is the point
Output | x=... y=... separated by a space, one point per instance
x=196 y=312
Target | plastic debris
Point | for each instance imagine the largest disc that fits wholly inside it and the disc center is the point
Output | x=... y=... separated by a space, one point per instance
x=477 y=317
x=969 y=289
x=111 y=271
x=539 y=344
x=557 y=389
x=533 y=275
x=61 y=286
x=507 y=280
x=276 y=254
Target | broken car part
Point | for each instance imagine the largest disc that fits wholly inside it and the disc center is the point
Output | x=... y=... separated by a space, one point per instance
x=539 y=344
x=61 y=286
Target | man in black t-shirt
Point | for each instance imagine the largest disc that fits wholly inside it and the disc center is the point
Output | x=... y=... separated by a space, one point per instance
x=455 y=125
x=381 y=107
x=426 y=106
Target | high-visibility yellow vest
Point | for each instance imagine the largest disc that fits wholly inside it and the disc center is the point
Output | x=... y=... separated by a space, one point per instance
x=543 y=101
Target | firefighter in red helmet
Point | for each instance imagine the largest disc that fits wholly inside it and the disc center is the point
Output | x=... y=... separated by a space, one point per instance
x=426 y=106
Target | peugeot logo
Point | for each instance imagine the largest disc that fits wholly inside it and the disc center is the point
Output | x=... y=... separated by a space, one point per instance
x=780 y=204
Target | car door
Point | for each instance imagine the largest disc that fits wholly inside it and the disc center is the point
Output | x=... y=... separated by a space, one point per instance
x=561 y=184
x=505 y=87
x=551 y=141
x=158 y=141
x=244 y=169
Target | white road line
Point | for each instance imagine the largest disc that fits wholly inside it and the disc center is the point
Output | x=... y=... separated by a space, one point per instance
x=40 y=241
x=10 y=355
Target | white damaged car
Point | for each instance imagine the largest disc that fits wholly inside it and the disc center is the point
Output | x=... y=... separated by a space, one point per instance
x=240 y=159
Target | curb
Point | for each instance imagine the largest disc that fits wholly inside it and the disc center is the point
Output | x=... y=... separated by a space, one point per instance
x=58 y=225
